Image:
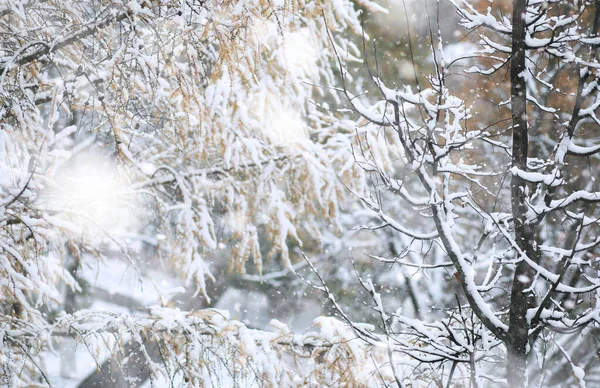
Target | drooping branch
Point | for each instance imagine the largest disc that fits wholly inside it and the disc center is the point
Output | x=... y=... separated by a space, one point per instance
x=28 y=55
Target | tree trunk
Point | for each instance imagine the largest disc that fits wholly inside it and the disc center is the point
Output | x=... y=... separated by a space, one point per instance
x=135 y=372
x=521 y=295
x=118 y=374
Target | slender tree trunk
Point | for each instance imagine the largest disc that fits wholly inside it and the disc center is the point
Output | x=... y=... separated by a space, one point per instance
x=68 y=362
x=521 y=297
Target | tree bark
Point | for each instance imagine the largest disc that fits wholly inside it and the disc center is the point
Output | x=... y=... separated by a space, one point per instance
x=521 y=295
x=135 y=372
x=118 y=374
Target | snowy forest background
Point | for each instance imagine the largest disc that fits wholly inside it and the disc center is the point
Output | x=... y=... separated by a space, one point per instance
x=216 y=193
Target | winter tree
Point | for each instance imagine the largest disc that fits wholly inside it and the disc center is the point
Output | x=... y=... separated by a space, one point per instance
x=180 y=135
x=495 y=188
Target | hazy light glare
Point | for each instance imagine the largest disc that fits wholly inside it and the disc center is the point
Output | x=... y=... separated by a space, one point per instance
x=285 y=127
x=91 y=192
x=300 y=53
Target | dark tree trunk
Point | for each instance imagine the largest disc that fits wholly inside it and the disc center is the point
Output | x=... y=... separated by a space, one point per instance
x=113 y=373
x=521 y=297
x=135 y=371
